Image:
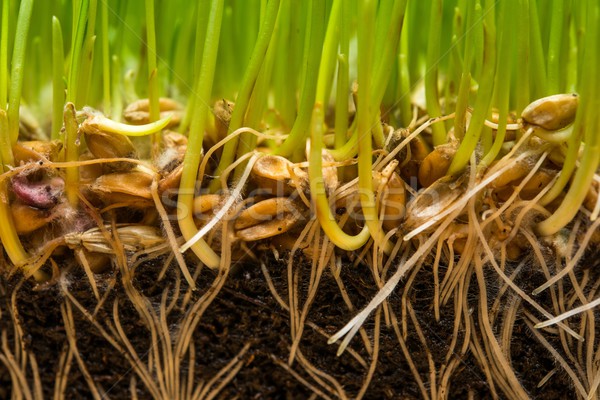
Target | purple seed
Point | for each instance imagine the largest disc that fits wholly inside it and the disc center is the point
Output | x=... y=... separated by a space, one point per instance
x=43 y=194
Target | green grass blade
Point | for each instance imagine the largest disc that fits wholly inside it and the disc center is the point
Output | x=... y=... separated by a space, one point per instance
x=58 y=81
x=17 y=70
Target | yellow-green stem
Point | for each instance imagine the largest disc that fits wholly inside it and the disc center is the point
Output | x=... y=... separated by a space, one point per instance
x=58 y=85
x=153 y=89
x=365 y=114
x=4 y=55
x=431 y=75
x=317 y=189
x=17 y=73
x=586 y=120
x=243 y=98
x=71 y=154
x=5 y=145
x=193 y=153
x=106 y=82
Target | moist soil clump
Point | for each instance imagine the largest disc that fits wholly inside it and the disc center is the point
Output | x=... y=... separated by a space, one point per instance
x=245 y=312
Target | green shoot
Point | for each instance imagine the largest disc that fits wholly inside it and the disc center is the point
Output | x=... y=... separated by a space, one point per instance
x=86 y=62
x=248 y=84
x=484 y=95
x=522 y=92
x=384 y=65
x=4 y=55
x=192 y=156
x=5 y=145
x=312 y=59
x=71 y=153
x=554 y=47
x=79 y=23
x=286 y=73
x=404 y=90
x=58 y=85
x=462 y=98
x=73 y=94
x=106 y=82
x=317 y=188
x=17 y=73
x=117 y=96
x=586 y=121
x=432 y=71
x=343 y=78
x=365 y=111
x=538 y=65
x=503 y=76
x=153 y=89
x=258 y=101
x=329 y=54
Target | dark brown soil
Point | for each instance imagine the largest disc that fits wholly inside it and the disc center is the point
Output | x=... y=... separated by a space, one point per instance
x=245 y=311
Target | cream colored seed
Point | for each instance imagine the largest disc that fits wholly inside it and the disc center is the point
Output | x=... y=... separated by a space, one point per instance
x=436 y=164
x=207 y=202
x=131 y=187
x=28 y=219
x=394 y=201
x=138 y=113
x=433 y=201
x=36 y=150
x=272 y=173
x=552 y=112
x=266 y=219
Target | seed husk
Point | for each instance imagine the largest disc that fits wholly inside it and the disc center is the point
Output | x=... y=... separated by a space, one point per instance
x=436 y=164
x=458 y=237
x=419 y=149
x=432 y=201
x=267 y=218
x=132 y=237
x=111 y=145
x=591 y=198
x=28 y=219
x=207 y=203
x=394 y=201
x=222 y=112
x=515 y=173
x=29 y=127
x=553 y=112
x=171 y=180
x=36 y=150
x=89 y=173
x=393 y=195
x=138 y=112
x=98 y=262
x=131 y=188
x=273 y=174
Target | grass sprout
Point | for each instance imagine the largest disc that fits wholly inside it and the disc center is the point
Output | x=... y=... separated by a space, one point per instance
x=447 y=149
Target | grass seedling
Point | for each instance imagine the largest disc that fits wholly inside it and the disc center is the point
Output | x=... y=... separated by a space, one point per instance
x=587 y=122
x=432 y=71
x=106 y=61
x=315 y=29
x=18 y=58
x=403 y=140
x=4 y=56
x=484 y=95
x=153 y=88
x=248 y=84
x=192 y=156
x=58 y=89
